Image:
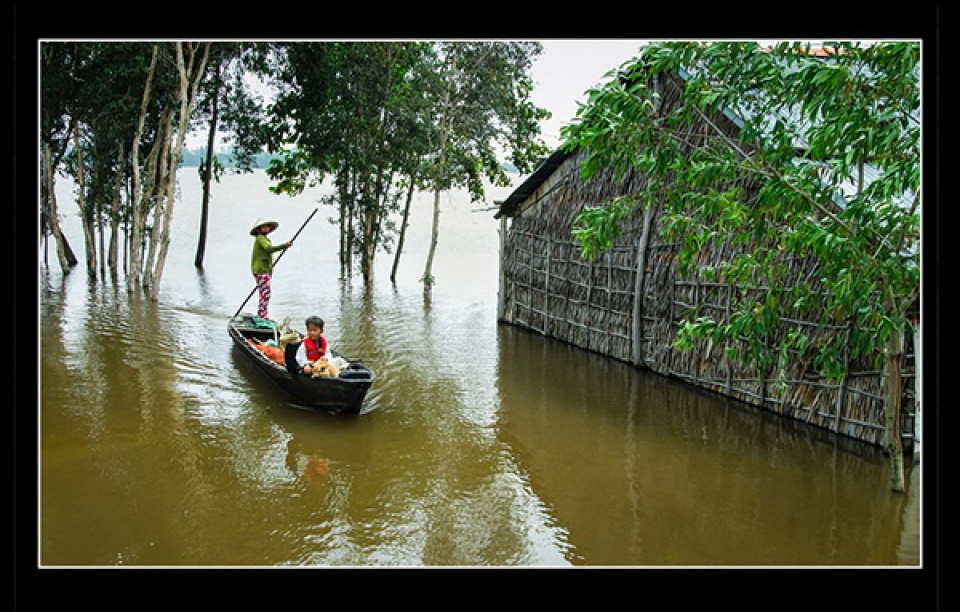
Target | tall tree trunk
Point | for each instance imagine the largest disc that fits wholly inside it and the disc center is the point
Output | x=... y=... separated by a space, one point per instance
x=162 y=175
x=208 y=171
x=113 y=247
x=403 y=231
x=65 y=256
x=136 y=222
x=367 y=214
x=112 y=250
x=191 y=71
x=98 y=206
x=343 y=234
x=351 y=205
x=86 y=216
x=100 y=240
x=368 y=251
x=345 y=205
x=428 y=279
x=374 y=211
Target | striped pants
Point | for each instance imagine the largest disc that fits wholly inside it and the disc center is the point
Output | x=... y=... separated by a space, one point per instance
x=263 y=287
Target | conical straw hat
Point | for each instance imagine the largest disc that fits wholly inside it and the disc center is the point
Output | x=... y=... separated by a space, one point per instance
x=261 y=222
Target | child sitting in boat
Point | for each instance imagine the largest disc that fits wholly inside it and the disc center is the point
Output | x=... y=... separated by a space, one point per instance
x=313 y=358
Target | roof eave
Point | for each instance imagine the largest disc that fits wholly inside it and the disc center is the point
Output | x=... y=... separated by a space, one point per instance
x=510 y=206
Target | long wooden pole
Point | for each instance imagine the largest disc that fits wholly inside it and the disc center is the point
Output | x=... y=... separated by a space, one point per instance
x=254 y=290
x=638 y=286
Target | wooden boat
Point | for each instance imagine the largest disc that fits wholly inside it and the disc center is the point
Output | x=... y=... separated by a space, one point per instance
x=344 y=393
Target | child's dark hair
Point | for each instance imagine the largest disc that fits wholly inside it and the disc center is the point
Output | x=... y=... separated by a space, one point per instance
x=315 y=321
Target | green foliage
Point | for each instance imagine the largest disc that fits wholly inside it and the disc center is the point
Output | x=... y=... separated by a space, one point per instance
x=292 y=172
x=380 y=115
x=88 y=86
x=98 y=86
x=598 y=226
x=480 y=99
x=349 y=109
x=376 y=116
x=825 y=169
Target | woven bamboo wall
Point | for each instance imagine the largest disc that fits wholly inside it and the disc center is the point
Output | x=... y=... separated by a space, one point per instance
x=548 y=287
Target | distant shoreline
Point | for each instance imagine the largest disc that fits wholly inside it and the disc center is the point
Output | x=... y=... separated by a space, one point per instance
x=191 y=158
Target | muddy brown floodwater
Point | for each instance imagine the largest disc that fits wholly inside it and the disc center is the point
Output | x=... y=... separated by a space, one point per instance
x=480 y=444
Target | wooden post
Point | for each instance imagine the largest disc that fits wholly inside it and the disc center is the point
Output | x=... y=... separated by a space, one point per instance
x=893 y=383
x=698 y=346
x=502 y=283
x=727 y=359
x=841 y=392
x=842 y=389
x=609 y=297
x=566 y=295
x=546 y=287
x=530 y=283
x=916 y=390
x=590 y=288
x=638 y=288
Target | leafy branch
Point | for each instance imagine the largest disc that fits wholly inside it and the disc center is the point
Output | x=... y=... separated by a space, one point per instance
x=788 y=187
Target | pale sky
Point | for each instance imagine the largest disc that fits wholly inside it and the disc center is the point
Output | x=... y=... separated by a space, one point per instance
x=561 y=74
x=568 y=68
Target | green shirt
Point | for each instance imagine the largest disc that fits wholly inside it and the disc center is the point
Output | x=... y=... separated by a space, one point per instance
x=261 y=260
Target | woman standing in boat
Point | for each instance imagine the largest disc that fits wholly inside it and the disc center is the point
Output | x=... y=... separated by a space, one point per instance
x=261 y=260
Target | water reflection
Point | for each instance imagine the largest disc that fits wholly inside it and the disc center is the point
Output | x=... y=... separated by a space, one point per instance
x=516 y=451
x=480 y=444
x=644 y=471
x=447 y=492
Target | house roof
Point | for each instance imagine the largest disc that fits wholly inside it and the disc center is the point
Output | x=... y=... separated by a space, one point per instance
x=510 y=206
x=528 y=187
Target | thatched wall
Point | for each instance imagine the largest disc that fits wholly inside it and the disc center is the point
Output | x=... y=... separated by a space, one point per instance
x=548 y=287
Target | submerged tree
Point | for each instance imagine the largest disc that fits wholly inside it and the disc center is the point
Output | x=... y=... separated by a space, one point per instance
x=226 y=103
x=482 y=103
x=176 y=68
x=106 y=103
x=387 y=118
x=57 y=88
x=90 y=116
x=345 y=109
x=830 y=139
